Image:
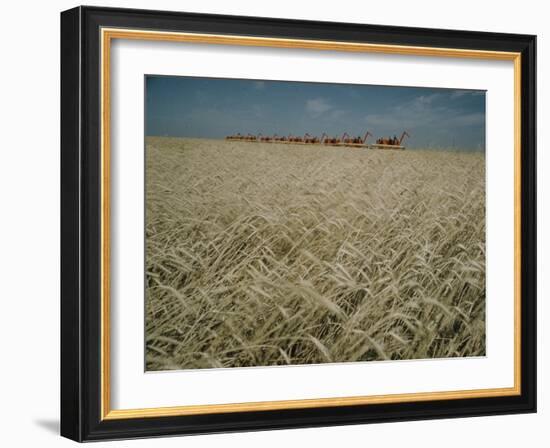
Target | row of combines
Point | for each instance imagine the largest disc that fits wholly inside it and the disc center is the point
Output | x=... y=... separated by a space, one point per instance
x=325 y=139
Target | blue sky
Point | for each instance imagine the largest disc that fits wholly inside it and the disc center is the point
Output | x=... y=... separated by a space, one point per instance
x=214 y=108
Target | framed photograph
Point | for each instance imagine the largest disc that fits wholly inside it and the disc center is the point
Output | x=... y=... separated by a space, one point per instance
x=274 y=223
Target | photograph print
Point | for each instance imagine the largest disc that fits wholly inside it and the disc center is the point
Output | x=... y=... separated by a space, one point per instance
x=299 y=223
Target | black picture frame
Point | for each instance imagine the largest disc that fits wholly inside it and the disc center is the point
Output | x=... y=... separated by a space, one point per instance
x=81 y=224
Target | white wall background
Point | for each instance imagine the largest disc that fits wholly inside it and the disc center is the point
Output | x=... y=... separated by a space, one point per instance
x=29 y=228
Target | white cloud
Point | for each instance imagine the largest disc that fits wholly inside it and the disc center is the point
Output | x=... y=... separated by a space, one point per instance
x=337 y=114
x=317 y=106
x=460 y=93
x=425 y=111
x=474 y=118
x=427 y=99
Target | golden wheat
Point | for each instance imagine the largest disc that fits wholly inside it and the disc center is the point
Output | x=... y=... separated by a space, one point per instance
x=271 y=254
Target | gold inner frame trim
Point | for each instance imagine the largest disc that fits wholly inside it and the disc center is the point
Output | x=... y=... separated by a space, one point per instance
x=107 y=35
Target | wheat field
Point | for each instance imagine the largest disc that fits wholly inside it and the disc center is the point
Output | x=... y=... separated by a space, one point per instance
x=262 y=254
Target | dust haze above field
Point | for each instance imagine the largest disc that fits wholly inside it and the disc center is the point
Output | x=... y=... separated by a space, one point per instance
x=267 y=254
x=436 y=118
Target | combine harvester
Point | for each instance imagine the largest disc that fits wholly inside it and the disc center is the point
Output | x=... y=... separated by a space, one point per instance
x=243 y=138
x=346 y=140
x=236 y=136
x=356 y=142
x=333 y=141
x=390 y=143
